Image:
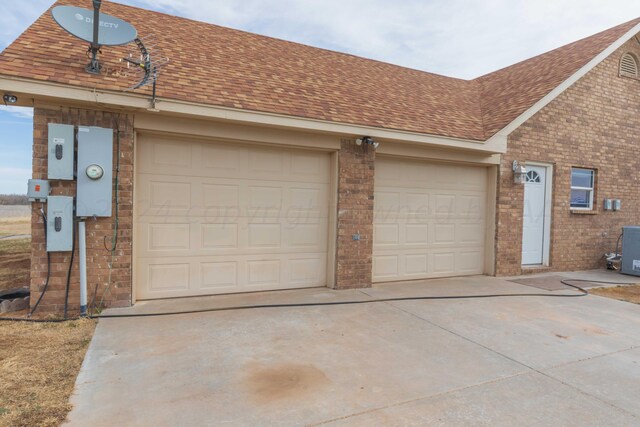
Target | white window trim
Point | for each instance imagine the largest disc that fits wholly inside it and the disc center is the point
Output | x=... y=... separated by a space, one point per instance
x=591 y=190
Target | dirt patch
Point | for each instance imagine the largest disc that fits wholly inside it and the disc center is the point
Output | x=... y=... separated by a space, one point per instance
x=630 y=293
x=15 y=226
x=39 y=363
x=15 y=263
x=285 y=381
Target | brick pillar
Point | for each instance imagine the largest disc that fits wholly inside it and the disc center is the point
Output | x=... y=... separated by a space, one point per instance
x=99 y=232
x=355 y=215
x=509 y=212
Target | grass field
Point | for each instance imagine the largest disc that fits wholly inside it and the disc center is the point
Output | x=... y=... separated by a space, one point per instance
x=15 y=225
x=39 y=363
x=15 y=262
x=630 y=293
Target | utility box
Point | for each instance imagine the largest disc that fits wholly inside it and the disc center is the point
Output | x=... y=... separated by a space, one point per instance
x=61 y=151
x=95 y=171
x=630 y=251
x=38 y=190
x=59 y=223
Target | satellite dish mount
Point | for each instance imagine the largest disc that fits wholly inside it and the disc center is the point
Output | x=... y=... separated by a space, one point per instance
x=99 y=29
x=94 y=66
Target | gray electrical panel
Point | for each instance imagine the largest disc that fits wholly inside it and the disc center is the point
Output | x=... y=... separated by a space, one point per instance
x=59 y=223
x=630 y=251
x=38 y=190
x=61 y=152
x=95 y=171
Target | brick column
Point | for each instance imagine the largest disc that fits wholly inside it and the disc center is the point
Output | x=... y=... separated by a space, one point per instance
x=99 y=232
x=355 y=215
x=509 y=210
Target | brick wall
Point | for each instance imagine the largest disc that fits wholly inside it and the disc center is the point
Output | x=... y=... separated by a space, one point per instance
x=355 y=215
x=98 y=257
x=593 y=124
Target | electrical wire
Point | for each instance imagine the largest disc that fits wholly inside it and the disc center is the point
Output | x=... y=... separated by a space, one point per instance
x=46 y=283
x=114 y=238
x=618 y=243
x=73 y=251
x=583 y=292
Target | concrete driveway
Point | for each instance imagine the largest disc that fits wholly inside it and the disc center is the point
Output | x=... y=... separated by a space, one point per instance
x=506 y=361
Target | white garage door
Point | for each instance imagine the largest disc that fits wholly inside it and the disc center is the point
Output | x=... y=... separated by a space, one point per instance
x=217 y=218
x=429 y=220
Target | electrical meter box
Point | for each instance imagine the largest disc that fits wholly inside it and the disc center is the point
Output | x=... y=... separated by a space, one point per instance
x=630 y=251
x=95 y=171
x=61 y=151
x=38 y=190
x=59 y=223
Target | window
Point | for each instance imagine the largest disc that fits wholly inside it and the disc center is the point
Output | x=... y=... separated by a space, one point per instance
x=629 y=65
x=582 y=187
x=533 y=176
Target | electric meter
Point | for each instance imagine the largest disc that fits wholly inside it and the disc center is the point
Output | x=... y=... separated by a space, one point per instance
x=95 y=171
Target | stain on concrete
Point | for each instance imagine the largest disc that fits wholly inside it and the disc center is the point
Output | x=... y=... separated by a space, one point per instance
x=594 y=330
x=282 y=382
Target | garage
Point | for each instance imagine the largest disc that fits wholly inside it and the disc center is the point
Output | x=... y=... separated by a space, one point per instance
x=225 y=217
x=429 y=219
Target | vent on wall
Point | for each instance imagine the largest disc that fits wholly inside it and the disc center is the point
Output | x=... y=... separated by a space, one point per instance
x=629 y=66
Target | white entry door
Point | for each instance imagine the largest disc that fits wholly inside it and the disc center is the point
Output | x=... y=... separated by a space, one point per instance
x=534 y=216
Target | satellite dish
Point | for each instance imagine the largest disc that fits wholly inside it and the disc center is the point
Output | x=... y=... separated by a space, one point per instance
x=79 y=22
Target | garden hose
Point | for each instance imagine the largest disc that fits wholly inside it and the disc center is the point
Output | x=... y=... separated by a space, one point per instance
x=583 y=292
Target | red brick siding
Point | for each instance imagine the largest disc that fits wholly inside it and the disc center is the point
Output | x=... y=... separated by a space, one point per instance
x=98 y=258
x=355 y=215
x=593 y=124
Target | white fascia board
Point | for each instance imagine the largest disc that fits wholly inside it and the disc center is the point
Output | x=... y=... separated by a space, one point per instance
x=504 y=133
x=119 y=100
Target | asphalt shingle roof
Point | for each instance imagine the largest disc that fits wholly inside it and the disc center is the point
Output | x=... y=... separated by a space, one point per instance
x=219 y=66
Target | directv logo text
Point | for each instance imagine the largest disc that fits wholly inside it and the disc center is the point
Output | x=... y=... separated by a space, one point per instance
x=89 y=20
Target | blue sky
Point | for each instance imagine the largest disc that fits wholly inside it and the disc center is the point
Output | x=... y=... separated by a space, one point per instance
x=458 y=38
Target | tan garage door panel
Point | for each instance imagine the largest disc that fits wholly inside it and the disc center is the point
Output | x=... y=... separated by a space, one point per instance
x=218 y=218
x=429 y=220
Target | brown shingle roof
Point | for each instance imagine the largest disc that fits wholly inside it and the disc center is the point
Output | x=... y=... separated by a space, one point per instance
x=509 y=92
x=219 y=66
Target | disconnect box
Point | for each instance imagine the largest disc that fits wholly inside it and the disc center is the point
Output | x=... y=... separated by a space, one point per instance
x=630 y=251
x=61 y=152
x=38 y=190
x=95 y=170
x=59 y=223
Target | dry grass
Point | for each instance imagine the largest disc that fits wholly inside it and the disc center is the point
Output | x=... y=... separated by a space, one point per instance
x=39 y=363
x=629 y=293
x=15 y=263
x=13 y=226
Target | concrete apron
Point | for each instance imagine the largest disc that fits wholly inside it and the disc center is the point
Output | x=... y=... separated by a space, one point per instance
x=500 y=361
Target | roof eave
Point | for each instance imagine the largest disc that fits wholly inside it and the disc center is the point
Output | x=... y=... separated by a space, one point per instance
x=47 y=91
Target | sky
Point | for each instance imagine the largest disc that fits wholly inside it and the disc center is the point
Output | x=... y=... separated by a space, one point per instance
x=457 y=38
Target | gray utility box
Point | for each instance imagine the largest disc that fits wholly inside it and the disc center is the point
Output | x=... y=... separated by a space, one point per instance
x=630 y=251
x=59 y=223
x=95 y=171
x=61 y=152
x=38 y=190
